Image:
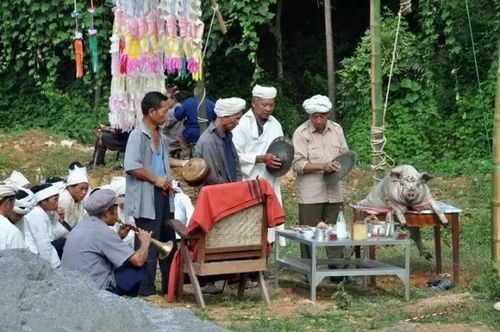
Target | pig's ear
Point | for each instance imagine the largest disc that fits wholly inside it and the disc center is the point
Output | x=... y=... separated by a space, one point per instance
x=425 y=177
x=395 y=175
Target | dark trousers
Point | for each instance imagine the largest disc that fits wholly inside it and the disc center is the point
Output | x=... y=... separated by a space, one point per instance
x=114 y=142
x=163 y=232
x=312 y=214
x=128 y=279
x=59 y=246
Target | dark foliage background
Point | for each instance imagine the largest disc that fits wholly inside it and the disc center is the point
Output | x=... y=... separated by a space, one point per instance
x=436 y=117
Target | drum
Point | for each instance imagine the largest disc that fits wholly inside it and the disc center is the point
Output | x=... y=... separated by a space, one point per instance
x=196 y=172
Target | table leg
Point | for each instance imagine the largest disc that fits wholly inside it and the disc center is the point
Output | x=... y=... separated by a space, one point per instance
x=455 y=244
x=407 y=272
x=276 y=263
x=437 y=246
x=365 y=256
x=373 y=279
x=312 y=280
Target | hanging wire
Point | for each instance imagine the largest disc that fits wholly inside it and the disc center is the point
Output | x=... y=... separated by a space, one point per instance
x=202 y=99
x=477 y=76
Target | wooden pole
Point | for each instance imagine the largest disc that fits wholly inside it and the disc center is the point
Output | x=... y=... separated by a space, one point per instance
x=330 y=57
x=377 y=133
x=495 y=234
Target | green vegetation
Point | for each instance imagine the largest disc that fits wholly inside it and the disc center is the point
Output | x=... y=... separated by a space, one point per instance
x=436 y=118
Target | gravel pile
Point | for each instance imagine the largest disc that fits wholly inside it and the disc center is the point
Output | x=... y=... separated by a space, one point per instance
x=35 y=297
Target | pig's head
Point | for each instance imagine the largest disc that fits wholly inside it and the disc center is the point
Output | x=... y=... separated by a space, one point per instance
x=410 y=186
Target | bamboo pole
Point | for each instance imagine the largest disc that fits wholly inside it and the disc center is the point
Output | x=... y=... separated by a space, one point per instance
x=377 y=134
x=495 y=234
x=330 y=57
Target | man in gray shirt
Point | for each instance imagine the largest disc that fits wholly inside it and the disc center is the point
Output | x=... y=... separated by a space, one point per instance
x=149 y=196
x=216 y=144
x=94 y=249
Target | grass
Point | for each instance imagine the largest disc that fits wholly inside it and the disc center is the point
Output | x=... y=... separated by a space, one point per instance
x=371 y=308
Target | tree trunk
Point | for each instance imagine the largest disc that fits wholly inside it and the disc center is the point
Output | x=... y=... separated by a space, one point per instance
x=377 y=131
x=279 y=43
x=495 y=235
x=330 y=57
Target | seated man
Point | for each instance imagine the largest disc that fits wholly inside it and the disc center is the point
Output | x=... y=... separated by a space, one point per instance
x=188 y=111
x=107 y=138
x=45 y=224
x=10 y=236
x=71 y=198
x=24 y=203
x=94 y=249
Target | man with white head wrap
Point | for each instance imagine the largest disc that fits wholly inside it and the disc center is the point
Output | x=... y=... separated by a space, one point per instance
x=71 y=198
x=40 y=228
x=10 y=236
x=18 y=178
x=216 y=143
x=24 y=203
x=316 y=143
x=252 y=137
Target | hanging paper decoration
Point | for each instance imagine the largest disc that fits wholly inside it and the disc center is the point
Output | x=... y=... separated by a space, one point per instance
x=151 y=39
x=78 y=47
x=77 y=43
x=94 y=53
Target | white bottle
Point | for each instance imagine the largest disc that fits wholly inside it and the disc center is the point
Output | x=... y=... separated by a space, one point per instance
x=341 y=224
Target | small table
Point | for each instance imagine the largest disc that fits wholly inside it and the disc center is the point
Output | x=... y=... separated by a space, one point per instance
x=426 y=218
x=364 y=266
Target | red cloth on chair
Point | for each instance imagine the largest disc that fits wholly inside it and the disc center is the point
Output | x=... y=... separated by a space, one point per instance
x=218 y=201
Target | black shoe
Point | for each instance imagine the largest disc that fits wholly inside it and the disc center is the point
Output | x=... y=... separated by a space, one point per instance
x=346 y=280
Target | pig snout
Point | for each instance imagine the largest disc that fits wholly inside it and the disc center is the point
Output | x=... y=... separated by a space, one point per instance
x=411 y=194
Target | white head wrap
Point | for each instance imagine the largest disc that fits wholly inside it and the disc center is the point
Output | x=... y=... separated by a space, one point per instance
x=229 y=106
x=18 y=178
x=61 y=185
x=77 y=175
x=26 y=204
x=117 y=184
x=317 y=104
x=265 y=92
x=7 y=189
x=46 y=193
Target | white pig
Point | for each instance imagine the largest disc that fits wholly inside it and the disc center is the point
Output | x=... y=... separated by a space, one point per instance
x=403 y=189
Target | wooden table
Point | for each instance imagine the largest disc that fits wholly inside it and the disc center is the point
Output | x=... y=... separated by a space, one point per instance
x=428 y=218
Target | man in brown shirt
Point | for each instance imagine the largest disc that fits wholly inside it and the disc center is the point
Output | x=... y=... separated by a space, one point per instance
x=317 y=142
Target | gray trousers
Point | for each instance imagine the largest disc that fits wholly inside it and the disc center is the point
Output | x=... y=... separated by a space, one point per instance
x=311 y=215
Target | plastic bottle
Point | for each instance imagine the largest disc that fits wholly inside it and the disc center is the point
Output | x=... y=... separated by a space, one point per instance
x=341 y=224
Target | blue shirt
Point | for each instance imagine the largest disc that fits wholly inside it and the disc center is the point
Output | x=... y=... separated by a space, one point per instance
x=188 y=111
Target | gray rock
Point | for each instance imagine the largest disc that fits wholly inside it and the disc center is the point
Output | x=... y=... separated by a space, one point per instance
x=35 y=297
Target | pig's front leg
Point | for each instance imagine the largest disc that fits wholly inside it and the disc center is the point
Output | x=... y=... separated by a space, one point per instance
x=398 y=211
x=438 y=211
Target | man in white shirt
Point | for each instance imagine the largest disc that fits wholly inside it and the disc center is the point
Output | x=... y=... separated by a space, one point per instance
x=10 y=236
x=71 y=198
x=40 y=228
x=25 y=202
x=252 y=137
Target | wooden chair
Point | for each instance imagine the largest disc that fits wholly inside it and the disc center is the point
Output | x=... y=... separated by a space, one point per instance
x=235 y=244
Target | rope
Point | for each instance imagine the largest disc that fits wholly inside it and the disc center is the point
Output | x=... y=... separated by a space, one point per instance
x=477 y=75
x=385 y=159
